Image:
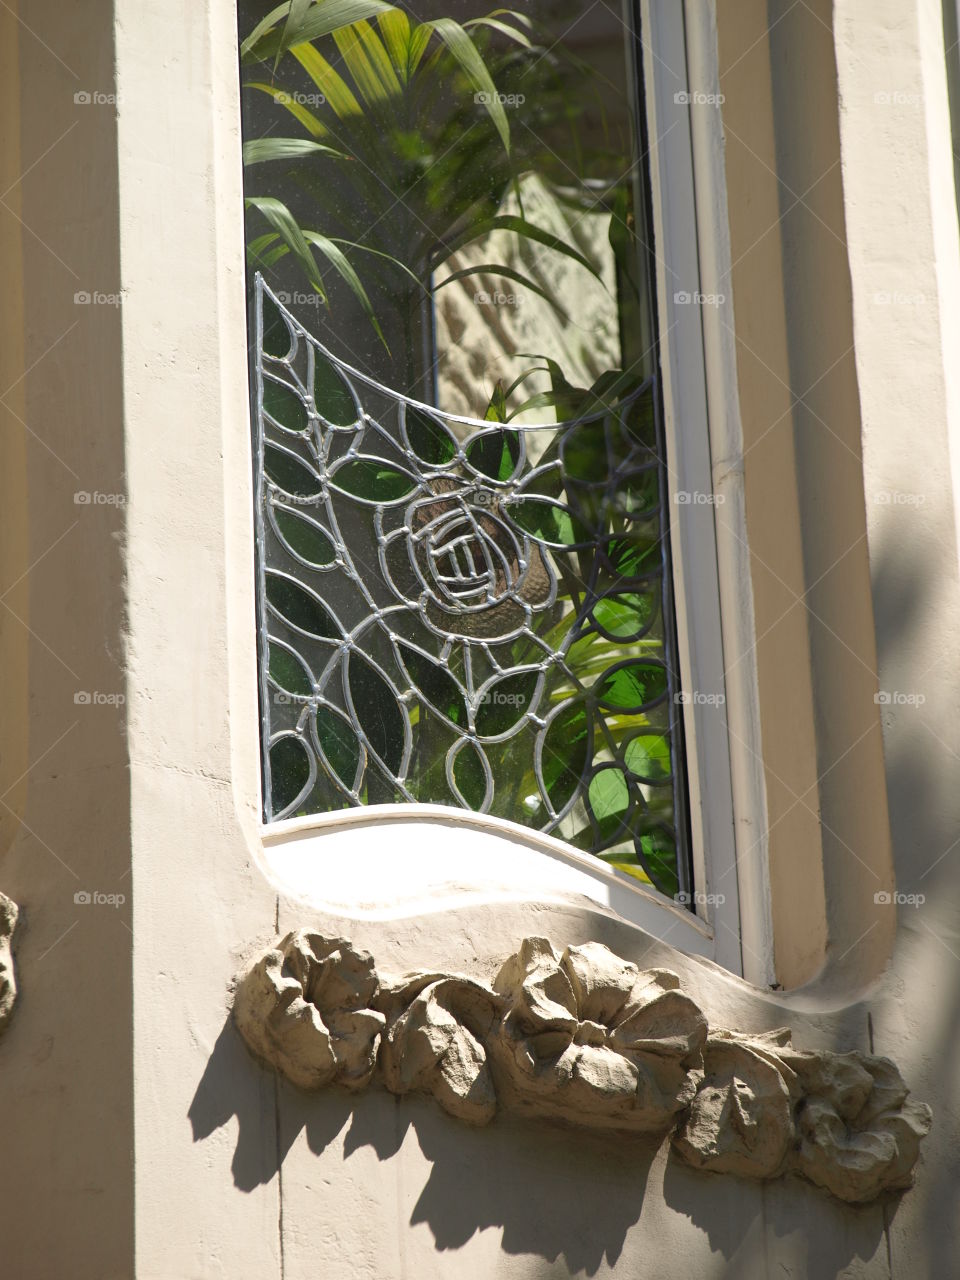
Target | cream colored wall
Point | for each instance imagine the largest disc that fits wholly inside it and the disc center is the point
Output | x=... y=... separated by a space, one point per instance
x=128 y=1104
x=902 y=236
x=67 y=1092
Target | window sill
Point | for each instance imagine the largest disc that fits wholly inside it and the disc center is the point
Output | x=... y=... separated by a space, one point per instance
x=390 y=861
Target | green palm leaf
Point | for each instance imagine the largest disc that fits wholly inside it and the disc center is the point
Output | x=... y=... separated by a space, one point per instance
x=286 y=225
x=296 y=109
x=259 y=150
x=318 y=20
x=331 y=84
x=462 y=48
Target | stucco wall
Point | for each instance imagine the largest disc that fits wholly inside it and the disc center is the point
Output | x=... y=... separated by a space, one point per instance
x=130 y=1109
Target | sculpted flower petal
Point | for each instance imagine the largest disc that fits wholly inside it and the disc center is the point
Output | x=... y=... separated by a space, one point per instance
x=600 y=980
x=670 y=1024
x=346 y=981
x=604 y=1077
x=280 y=1026
x=355 y=1040
x=741 y=1119
x=542 y=995
x=430 y=1046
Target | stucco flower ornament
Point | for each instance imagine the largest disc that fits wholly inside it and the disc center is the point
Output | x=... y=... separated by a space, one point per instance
x=590 y=1034
x=305 y=1006
x=843 y=1120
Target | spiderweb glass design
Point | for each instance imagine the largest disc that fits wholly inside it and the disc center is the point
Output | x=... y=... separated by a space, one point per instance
x=461 y=612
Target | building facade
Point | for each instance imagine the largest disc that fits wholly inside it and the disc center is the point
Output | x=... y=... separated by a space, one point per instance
x=813 y=210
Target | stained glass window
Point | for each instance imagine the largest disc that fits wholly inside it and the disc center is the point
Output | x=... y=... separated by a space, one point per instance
x=462 y=540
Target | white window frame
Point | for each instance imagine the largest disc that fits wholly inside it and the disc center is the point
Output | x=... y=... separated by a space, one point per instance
x=311 y=857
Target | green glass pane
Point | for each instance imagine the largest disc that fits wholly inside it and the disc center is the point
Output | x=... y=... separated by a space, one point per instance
x=626 y=614
x=548 y=522
x=377 y=712
x=495 y=454
x=284 y=405
x=277 y=340
x=289 y=672
x=429 y=439
x=548 y=482
x=293 y=476
x=299 y=608
x=639 y=492
x=469 y=775
x=629 y=687
x=585 y=453
x=304 y=538
x=289 y=771
x=503 y=703
x=659 y=852
x=648 y=758
x=340 y=745
x=436 y=685
x=639 y=421
x=566 y=747
x=373 y=480
x=609 y=798
x=633 y=557
x=331 y=396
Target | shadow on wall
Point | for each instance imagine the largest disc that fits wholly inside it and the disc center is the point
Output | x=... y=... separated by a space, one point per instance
x=532 y=1189
x=570 y=1198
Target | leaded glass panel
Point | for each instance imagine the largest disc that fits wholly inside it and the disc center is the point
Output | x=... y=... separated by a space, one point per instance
x=463 y=561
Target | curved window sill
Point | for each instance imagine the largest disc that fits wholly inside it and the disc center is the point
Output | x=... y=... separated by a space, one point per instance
x=390 y=861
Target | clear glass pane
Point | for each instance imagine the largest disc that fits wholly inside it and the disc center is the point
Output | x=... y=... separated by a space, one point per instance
x=464 y=583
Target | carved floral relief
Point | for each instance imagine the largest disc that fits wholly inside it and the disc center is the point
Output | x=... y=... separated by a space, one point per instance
x=589 y=1039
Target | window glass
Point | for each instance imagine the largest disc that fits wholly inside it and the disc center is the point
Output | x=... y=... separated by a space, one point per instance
x=464 y=585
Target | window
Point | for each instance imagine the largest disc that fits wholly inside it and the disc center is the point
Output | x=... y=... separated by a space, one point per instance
x=462 y=481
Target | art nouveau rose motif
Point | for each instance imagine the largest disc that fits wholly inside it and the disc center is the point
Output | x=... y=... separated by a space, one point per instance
x=305 y=1006
x=591 y=1033
x=477 y=575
